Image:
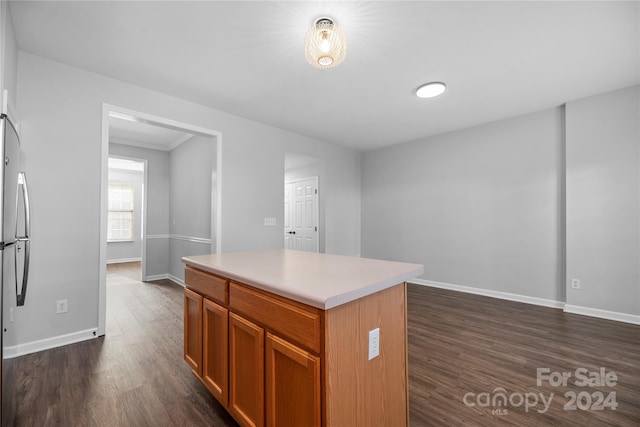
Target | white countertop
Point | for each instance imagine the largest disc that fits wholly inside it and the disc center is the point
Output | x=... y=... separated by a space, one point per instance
x=320 y=280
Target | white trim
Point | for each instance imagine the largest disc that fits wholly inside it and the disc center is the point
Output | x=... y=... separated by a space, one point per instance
x=171 y=277
x=488 y=293
x=158 y=236
x=191 y=239
x=175 y=144
x=109 y=110
x=602 y=314
x=156 y=277
x=123 y=260
x=143 y=214
x=572 y=309
x=176 y=280
x=49 y=343
x=178 y=237
x=104 y=184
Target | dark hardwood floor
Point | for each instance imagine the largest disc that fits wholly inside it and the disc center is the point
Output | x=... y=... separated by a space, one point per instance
x=134 y=376
x=459 y=345
x=468 y=345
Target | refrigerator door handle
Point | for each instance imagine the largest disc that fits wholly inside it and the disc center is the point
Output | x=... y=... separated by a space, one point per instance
x=22 y=183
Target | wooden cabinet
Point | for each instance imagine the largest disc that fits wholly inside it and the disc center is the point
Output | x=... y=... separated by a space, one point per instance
x=274 y=362
x=215 y=363
x=297 y=322
x=246 y=371
x=293 y=385
x=225 y=328
x=212 y=287
x=193 y=330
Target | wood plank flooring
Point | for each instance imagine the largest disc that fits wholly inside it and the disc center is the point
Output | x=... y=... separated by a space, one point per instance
x=462 y=344
x=458 y=344
x=134 y=376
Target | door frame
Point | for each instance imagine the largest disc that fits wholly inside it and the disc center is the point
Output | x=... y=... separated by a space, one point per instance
x=109 y=110
x=315 y=178
x=145 y=186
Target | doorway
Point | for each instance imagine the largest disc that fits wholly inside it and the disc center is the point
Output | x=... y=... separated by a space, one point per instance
x=304 y=202
x=301 y=215
x=171 y=241
x=126 y=204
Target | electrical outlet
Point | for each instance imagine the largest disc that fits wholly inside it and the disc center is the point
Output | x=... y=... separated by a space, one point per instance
x=575 y=283
x=61 y=306
x=374 y=343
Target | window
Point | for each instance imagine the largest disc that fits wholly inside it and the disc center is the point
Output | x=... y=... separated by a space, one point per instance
x=120 y=221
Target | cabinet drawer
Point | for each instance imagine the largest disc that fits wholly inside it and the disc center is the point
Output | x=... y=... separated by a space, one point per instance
x=213 y=287
x=290 y=319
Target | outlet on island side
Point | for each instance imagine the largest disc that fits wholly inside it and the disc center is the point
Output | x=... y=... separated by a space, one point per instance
x=374 y=343
x=61 y=306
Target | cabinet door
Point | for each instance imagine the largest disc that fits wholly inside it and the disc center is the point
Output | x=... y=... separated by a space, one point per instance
x=246 y=371
x=193 y=330
x=215 y=349
x=293 y=385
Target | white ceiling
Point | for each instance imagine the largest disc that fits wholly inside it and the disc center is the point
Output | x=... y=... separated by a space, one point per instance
x=116 y=163
x=145 y=135
x=498 y=59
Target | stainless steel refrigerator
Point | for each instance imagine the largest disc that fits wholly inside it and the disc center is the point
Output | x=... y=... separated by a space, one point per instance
x=14 y=251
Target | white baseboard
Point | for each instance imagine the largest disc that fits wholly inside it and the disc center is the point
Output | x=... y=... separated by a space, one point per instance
x=573 y=309
x=49 y=343
x=62 y=340
x=165 y=276
x=155 y=277
x=489 y=293
x=176 y=280
x=602 y=314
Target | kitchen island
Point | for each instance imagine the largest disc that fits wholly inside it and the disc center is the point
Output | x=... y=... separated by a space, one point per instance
x=290 y=338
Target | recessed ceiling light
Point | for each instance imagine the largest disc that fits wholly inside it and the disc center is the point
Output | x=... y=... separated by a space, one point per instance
x=430 y=90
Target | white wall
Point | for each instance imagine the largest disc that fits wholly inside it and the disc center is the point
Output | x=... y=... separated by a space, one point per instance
x=8 y=81
x=478 y=207
x=519 y=207
x=157 y=217
x=179 y=204
x=603 y=201
x=61 y=107
x=191 y=168
x=124 y=251
x=8 y=54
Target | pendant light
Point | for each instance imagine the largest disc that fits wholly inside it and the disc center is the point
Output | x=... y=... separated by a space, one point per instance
x=325 y=45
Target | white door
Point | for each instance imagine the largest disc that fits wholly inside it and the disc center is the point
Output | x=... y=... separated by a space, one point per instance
x=288 y=236
x=301 y=215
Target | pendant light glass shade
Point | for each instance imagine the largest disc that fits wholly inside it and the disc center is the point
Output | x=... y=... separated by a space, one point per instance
x=325 y=45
